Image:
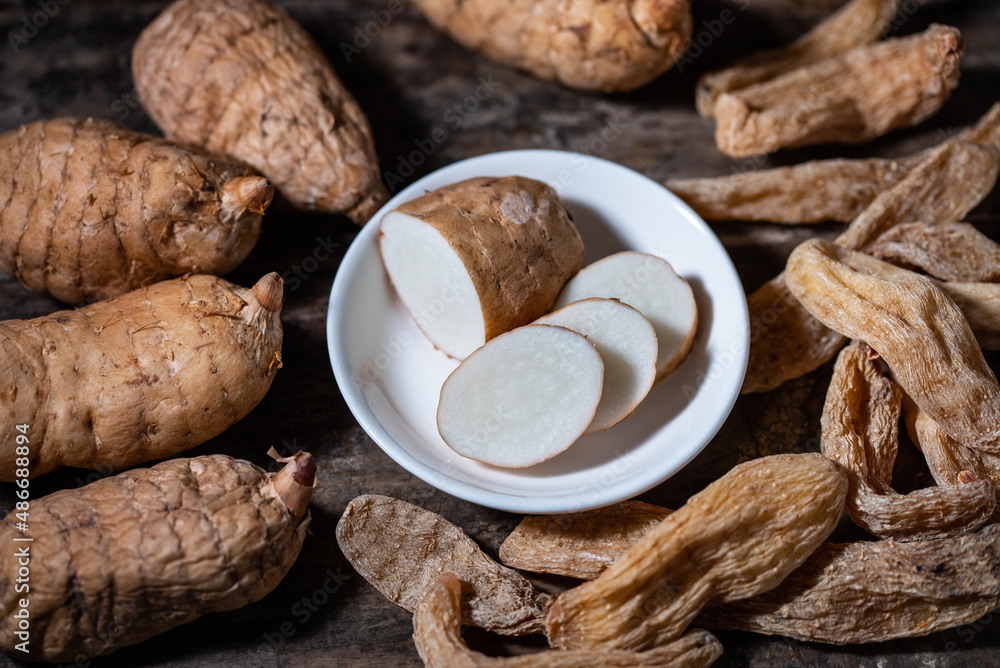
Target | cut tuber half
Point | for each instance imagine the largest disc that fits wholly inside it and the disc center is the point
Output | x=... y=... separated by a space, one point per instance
x=627 y=344
x=475 y=259
x=522 y=398
x=649 y=284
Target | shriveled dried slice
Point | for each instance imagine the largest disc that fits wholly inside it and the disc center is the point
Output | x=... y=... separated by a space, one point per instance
x=860 y=431
x=649 y=284
x=980 y=304
x=731 y=541
x=475 y=259
x=627 y=345
x=857 y=23
x=402 y=550
x=437 y=632
x=850 y=99
x=524 y=397
x=820 y=190
x=946 y=458
x=810 y=192
x=986 y=130
x=948 y=184
x=875 y=591
x=913 y=325
x=786 y=341
x=949 y=251
x=579 y=545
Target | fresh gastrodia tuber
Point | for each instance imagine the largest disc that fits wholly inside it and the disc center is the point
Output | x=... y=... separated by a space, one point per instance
x=139 y=377
x=135 y=555
x=95 y=210
x=600 y=45
x=241 y=76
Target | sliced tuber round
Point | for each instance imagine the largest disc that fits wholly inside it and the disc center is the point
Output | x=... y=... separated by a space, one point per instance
x=649 y=284
x=627 y=345
x=478 y=258
x=522 y=398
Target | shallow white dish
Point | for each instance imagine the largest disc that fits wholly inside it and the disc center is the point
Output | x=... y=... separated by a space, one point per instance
x=390 y=375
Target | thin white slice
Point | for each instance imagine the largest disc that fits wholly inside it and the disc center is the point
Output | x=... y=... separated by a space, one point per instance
x=649 y=284
x=433 y=283
x=627 y=344
x=522 y=398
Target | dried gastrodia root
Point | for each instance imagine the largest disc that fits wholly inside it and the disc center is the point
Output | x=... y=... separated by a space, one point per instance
x=811 y=192
x=437 y=632
x=980 y=304
x=728 y=542
x=914 y=326
x=815 y=191
x=860 y=431
x=242 y=77
x=599 y=45
x=402 y=550
x=131 y=556
x=948 y=251
x=946 y=458
x=952 y=179
x=579 y=545
x=93 y=211
x=786 y=341
x=869 y=592
x=850 y=99
x=857 y=23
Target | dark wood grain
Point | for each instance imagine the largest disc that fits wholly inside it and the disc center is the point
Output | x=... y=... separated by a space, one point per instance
x=409 y=79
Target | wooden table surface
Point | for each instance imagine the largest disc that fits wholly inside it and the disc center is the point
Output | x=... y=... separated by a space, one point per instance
x=409 y=79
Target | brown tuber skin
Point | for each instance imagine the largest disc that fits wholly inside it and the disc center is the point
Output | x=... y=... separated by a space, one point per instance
x=740 y=536
x=868 y=592
x=516 y=238
x=140 y=377
x=853 y=98
x=241 y=76
x=135 y=555
x=95 y=210
x=437 y=632
x=597 y=45
x=401 y=550
x=856 y=23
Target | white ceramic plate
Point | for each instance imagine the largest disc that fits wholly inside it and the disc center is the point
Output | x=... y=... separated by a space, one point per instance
x=391 y=375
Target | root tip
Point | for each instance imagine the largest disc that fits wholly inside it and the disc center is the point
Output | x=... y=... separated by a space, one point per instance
x=269 y=290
